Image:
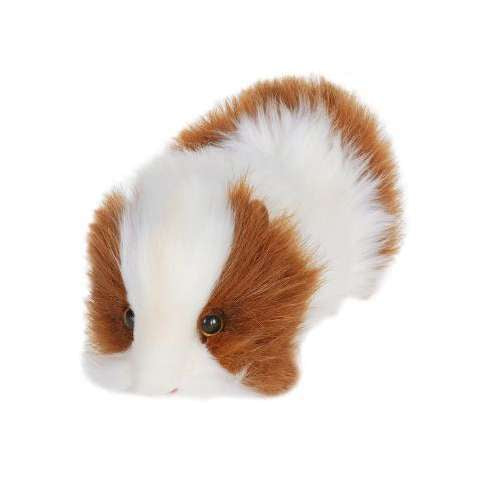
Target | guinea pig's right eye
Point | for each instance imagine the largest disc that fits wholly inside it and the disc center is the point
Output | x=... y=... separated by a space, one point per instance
x=129 y=318
x=211 y=325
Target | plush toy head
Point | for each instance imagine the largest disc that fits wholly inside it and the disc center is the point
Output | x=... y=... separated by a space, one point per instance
x=255 y=223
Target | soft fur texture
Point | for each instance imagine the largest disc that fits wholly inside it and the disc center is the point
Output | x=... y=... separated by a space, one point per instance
x=263 y=291
x=270 y=210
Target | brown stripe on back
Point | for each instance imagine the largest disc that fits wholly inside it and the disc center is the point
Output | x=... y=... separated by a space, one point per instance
x=108 y=298
x=357 y=127
x=263 y=293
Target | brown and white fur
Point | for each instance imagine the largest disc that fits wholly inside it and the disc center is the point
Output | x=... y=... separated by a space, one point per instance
x=271 y=209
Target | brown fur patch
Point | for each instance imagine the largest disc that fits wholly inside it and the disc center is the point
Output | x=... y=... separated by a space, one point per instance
x=357 y=126
x=263 y=292
x=108 y=298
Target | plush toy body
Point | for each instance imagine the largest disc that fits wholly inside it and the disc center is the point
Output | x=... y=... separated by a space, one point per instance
x=254 y=224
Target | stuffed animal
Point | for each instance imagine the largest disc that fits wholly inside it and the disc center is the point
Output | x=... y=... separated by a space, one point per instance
x=252 y=225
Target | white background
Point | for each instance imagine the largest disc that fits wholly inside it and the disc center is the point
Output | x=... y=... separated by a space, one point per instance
x=90 y=90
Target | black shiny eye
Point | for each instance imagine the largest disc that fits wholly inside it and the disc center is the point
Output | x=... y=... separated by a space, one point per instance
x=211 y=325
x=129 y=318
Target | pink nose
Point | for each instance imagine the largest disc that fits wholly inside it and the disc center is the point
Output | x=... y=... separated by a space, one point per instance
x=175 y=390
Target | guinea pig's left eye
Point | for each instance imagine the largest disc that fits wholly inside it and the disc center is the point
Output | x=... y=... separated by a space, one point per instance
x=211 y=325
x=129 y=318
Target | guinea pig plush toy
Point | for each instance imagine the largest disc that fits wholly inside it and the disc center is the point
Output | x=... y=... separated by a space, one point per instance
x=253 y=224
